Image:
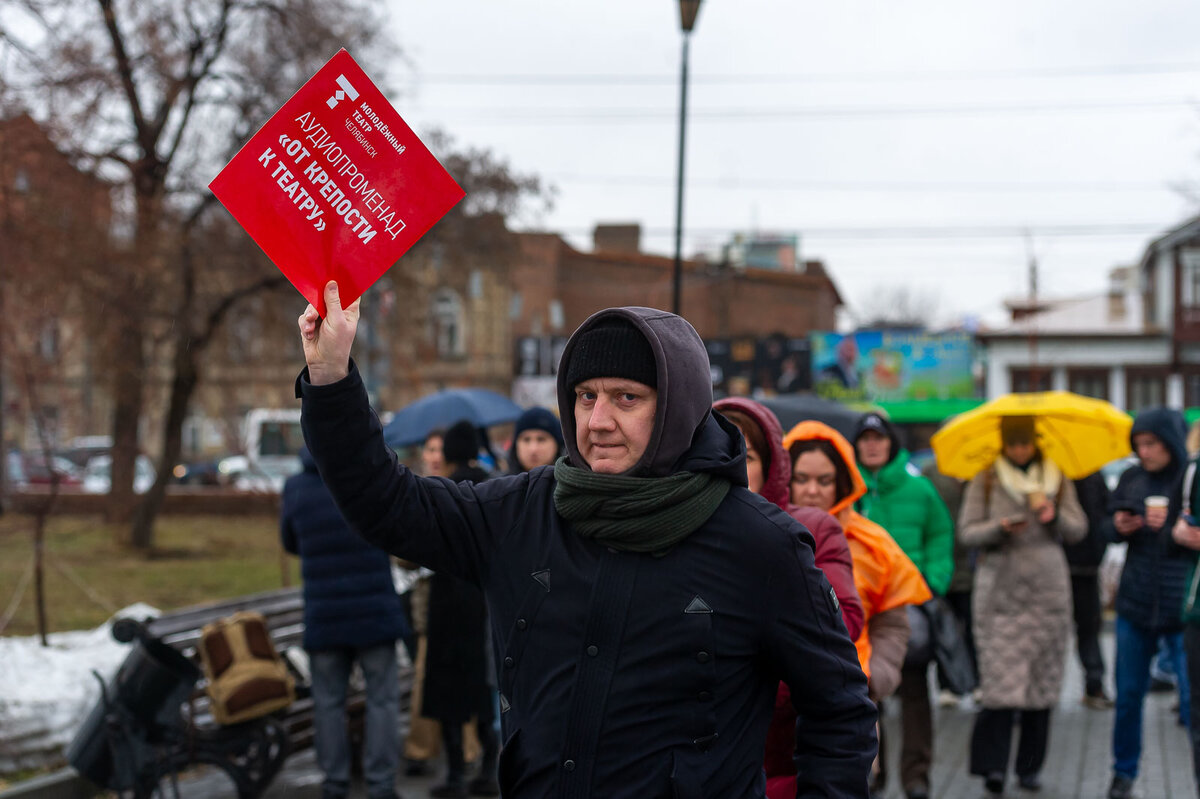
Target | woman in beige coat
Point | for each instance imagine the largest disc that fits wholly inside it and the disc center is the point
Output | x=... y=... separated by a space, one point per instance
x=1018 y=513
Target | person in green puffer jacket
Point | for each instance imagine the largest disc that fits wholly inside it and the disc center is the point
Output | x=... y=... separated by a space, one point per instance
x=909 y=508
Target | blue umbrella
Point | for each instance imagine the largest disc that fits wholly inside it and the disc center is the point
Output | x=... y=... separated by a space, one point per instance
x=479 y=406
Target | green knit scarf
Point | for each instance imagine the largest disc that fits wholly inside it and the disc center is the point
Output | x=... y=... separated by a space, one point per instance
x=635 y=514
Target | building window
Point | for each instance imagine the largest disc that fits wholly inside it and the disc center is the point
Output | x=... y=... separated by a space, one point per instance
x=1088 y=382
x=1189 y=278
x=1191 y=387
x=1145 y=388
x=1026 y=379
x=448 y=324
x=49 y=340
x=21 y=181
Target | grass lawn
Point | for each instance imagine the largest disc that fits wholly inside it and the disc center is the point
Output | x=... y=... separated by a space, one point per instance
x=196 y=559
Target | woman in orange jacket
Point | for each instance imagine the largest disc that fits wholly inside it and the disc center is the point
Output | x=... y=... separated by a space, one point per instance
x=824 y=476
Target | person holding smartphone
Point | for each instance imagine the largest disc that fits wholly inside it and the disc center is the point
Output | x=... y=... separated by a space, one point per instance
x=1145 y=506
x=1018 y=512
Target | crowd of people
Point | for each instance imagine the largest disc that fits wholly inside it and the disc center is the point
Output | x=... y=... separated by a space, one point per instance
x=665 y=596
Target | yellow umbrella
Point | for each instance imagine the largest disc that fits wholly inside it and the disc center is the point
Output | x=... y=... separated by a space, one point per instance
x=1079 y=434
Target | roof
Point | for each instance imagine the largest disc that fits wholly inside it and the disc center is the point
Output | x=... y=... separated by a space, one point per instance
x=1185 y=232
x=813 y=275
x=1091 y=315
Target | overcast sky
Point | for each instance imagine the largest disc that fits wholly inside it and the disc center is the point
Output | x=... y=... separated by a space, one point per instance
x=907 y=144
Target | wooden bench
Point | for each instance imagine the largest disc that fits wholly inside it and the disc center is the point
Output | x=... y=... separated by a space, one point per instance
x=284 y=612
x=251 y=753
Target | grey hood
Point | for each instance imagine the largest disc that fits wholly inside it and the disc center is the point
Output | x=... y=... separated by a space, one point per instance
x=684 y=388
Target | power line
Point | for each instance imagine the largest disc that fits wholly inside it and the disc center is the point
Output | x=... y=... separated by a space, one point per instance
x=548 y=115
x=896 y=232
x=899 y=76
x=797 y=184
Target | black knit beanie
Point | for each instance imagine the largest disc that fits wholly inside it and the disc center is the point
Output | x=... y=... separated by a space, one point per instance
x=613 y=348
x=461 y=443
x=538 y=418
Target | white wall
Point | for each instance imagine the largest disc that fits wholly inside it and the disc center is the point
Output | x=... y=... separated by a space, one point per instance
x=1061 y=353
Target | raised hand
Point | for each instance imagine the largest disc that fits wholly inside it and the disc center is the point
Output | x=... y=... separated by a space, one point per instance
x=327 y=341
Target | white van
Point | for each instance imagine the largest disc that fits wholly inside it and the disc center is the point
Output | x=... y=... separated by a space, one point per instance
x=272 y=439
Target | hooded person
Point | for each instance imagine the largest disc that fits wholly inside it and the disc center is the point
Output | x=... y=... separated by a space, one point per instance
x=769 y=471
x=537 y=440
x=824 y=476
x=1145 y=505
x=1018 y=513
x=909 y=508
x=644 y=604
x=764 y=444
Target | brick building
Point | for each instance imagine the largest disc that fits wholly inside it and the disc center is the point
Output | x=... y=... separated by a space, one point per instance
x=749 y=314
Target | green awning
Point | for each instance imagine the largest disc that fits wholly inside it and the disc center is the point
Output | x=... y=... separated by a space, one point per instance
x=931 y=411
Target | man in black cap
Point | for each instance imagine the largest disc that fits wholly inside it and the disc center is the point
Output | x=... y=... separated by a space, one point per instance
x=644 y=603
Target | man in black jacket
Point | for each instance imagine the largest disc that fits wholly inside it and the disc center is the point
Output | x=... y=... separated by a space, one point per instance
x=644 y=603
x=1145 y=505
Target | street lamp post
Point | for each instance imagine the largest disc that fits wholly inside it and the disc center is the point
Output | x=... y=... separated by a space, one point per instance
x=688 y=9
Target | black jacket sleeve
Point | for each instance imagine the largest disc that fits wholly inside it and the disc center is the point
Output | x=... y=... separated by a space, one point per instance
x=806 y=640
x=448 y=527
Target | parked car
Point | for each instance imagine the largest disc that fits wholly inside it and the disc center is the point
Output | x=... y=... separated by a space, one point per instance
x=35 y=471
x=198 y=473
x=239 y=472
x=97 y=477
x=81 y=449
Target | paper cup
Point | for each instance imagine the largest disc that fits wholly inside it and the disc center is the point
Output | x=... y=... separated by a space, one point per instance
x=1157 y=501
x=1036 y=499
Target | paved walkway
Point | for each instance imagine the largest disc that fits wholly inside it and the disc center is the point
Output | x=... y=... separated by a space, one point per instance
x=1077 y=766
x=1079 y=763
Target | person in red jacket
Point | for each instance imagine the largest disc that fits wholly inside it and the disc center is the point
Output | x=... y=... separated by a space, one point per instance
x=769 y=474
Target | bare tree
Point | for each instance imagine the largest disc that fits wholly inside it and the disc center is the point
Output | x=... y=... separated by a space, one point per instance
x=155 y=96
x=897 y=306
x=52 y=223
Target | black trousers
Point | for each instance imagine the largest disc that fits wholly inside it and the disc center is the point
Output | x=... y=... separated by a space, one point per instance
x=991 y=741
x=489 y=742
x=1085 y=596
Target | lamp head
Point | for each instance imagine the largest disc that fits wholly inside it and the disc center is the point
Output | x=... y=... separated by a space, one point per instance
x=688 y=9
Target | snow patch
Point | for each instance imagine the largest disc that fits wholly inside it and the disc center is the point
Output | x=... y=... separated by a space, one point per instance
x=47 y=692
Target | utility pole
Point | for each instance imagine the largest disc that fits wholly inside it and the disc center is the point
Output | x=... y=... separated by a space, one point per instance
x=1034 y=372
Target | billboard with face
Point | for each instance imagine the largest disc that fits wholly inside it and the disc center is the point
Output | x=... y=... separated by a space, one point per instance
x=890 y=365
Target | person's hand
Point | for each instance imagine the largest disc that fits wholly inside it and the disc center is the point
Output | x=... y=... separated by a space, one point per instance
x=1185 y=534
x=327 y=341
x=1156 y=518
x=1128 y=523
x=1047 y=512
x=1014 y=524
